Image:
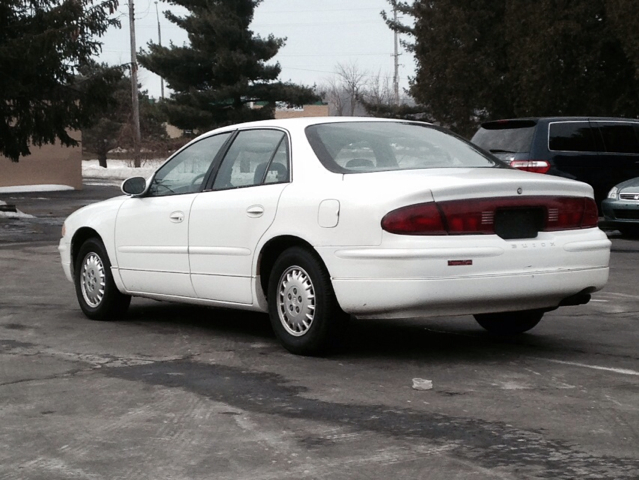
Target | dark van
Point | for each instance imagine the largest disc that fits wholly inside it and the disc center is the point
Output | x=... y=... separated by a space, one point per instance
x=599 y=151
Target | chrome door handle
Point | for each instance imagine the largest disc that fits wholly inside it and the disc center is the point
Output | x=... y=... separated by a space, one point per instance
x=177 y=217
x=255 y=211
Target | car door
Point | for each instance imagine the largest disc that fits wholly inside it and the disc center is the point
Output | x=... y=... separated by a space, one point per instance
x=227 y=222
x=151 y=231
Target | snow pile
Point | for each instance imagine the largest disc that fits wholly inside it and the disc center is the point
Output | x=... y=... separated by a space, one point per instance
x=119 y=169
x=35 y=188
x=16 y=214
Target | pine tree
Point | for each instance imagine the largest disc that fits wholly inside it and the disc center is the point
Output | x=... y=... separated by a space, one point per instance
x=577 y=67
x=43 y=43
x=113 y=128
x=459 y=48
x=223 y=70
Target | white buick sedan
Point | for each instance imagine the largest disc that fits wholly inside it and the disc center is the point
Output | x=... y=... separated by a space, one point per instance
x=316 y=219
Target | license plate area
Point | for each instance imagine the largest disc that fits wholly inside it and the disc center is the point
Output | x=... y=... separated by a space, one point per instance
x=515 y=223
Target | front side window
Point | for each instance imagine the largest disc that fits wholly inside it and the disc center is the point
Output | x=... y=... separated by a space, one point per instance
x=571 y=137
x=352 y=147
x=254 y=158
x=185 y=172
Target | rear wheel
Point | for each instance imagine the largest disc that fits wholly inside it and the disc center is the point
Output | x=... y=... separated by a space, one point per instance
x=510 y=323
x=97 y=294
x=303 y=309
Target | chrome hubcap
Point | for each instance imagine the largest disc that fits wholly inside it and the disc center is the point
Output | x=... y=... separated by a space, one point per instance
x=92 y=279
x=296 y=301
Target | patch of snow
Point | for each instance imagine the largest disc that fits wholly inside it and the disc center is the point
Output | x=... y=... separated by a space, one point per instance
x=104 y=183
x=16 y=214
x=35 y=188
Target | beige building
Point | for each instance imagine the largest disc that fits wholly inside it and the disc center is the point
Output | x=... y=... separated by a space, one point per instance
x=47 y=165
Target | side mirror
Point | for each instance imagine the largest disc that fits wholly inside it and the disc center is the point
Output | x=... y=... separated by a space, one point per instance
x=134 y=186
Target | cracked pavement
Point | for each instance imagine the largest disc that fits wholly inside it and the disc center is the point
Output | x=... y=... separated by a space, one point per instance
x=183 y=392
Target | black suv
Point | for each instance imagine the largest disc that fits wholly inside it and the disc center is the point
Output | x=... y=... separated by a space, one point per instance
x=599 y=151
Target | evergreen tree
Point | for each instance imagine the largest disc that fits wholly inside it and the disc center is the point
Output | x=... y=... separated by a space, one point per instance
x=224 y=68
x=459 y=48
x=577 y=67
x=113 y=128
x=491 y=59
x=43 y=43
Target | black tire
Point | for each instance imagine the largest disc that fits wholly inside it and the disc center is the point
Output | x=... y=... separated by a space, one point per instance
x=510 y=323
x=302 y=306
x=98 y=296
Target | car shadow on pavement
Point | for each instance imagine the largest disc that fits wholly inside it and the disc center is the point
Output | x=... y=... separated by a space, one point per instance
x=436 y=339
x=418 y=339
x=168 y=318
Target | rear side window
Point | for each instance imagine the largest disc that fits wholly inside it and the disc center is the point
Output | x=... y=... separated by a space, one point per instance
x=571 y=137
x=505 y=137
x=619 y=137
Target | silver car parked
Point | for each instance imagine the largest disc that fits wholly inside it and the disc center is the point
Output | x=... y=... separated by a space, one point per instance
x=621 y=208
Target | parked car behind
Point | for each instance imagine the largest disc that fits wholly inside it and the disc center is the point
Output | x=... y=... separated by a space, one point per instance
x=621 y=208
x=313 y=219
x=601 y=152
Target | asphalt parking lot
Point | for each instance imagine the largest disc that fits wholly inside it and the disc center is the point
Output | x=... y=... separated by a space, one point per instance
x=183 y=392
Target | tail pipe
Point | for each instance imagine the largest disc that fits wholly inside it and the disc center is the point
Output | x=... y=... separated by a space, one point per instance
x=580 y=298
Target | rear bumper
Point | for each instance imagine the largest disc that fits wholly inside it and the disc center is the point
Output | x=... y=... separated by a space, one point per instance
x=377 y=298
x=455 y=275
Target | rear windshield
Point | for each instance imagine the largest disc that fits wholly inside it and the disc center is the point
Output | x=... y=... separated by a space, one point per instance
x=354 y=147
x=505 y=137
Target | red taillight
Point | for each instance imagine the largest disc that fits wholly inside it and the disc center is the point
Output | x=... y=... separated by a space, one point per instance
x=469 y=216
x=535 y=166
x=567 y=213
x=477 y=216
x=420 y=219
x=591 y=214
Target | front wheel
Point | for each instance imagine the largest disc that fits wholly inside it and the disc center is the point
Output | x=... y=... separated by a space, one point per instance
x=97 y=294
x=303 y=309
x=510 y=323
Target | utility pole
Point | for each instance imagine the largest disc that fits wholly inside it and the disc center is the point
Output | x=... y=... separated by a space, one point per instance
x=396 y=58
x=160 y=44
x=134 y=90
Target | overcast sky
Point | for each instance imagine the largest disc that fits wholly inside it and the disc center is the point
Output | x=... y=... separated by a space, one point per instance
x=320 y=33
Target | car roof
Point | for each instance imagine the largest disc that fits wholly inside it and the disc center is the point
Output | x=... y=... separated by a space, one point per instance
x=298 y=123
x=559 y=119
